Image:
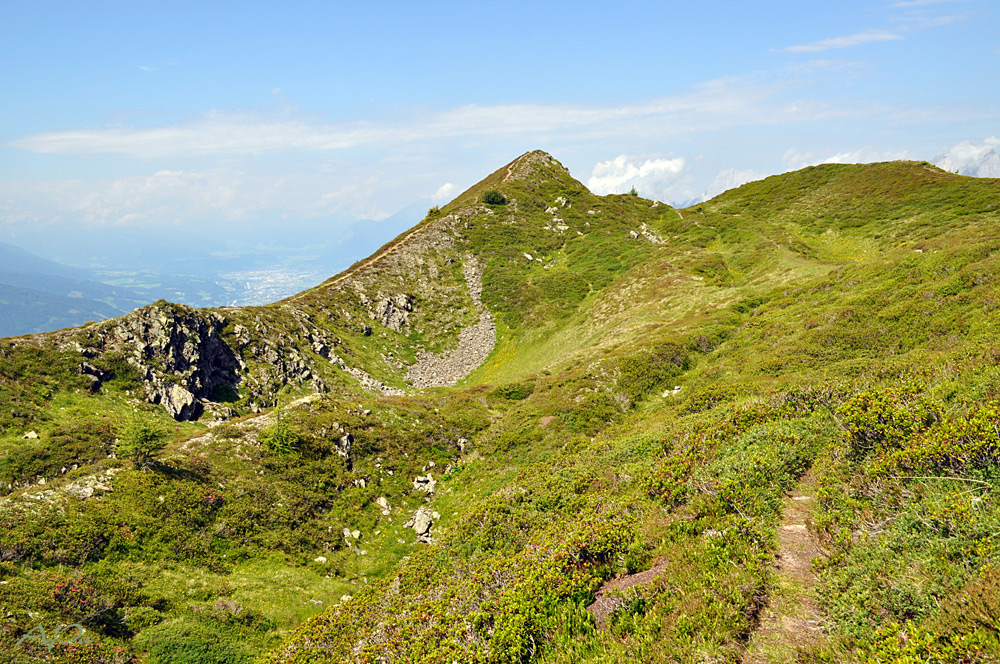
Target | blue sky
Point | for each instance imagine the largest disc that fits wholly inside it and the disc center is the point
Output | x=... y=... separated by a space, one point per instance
x=226 y=115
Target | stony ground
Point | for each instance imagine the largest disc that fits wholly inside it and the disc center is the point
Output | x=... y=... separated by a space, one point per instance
x=474 y=342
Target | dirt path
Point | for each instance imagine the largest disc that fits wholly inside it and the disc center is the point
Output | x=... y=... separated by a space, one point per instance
x=792 y=620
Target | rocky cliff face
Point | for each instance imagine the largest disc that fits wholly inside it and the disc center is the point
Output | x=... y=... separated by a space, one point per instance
x=179 y=352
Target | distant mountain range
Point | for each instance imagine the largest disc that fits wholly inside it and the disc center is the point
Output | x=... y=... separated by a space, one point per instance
x=37 y=294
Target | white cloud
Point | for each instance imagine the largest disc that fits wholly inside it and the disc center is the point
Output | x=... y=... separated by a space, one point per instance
x=218 y=133
x=726 y=180
x=710 y=106
x=857 y=39
x=173 y=197
x=976 y=159
x=832 y=65
x=908 y=4
x=654 y=178
x=794 y=160
x=146 y=69
x=444 y=192
x=919 y=22
x=188 y=173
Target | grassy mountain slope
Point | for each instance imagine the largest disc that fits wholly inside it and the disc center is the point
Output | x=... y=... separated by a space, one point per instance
x=660 y=379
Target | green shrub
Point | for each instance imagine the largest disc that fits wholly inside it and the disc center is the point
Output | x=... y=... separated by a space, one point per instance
x=914 y=643
x=75 y=443
x=494 y=197
x=139 y=437
x=592 y=413
x=644 y=370
x=123 y=372
x=186 y=641
x=758 y=467
x=883 y=419
x=965 y=442
x=280 y=438
x=667 y=481
x=515 y=391
x=140 y=617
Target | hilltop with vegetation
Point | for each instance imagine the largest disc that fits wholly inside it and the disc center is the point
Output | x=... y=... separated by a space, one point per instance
x=540 y=426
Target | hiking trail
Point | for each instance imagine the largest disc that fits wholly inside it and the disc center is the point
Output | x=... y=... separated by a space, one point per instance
x=792 y=620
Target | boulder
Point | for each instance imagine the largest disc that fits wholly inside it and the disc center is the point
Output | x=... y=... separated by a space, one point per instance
x=344 y=445
x=180 y=403
x=424 y=483
x=393 y=311
x=422 y=521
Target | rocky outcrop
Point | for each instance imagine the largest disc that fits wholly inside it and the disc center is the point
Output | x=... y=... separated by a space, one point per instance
x=425 y=483
x=95 y=374
x=178 y=351
x=475 y=342
x=421 y=522
x=393 y=312
x=81 y=488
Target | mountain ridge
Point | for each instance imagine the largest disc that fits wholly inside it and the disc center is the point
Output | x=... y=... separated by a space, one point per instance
x=367 y=291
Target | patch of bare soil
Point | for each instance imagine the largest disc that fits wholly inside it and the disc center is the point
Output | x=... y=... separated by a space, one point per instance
x=792 y=621
x=603 y=605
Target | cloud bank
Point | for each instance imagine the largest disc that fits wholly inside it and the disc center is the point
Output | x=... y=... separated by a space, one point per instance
x=653 y=178
x=975 y=159
x=714 y=105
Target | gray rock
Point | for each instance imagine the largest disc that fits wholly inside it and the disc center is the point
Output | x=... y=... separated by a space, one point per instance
x=344 y=445
x=95 y=374
x=179 y=352
x=648 y=234
x=421 y=522
x=425 y=483
x=180 y=403
x=393 y=311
